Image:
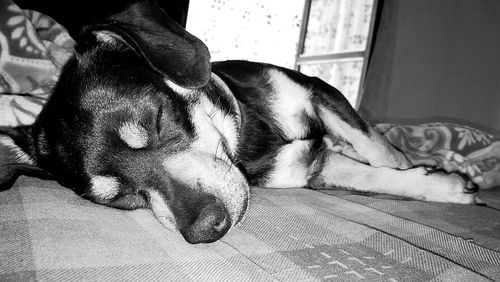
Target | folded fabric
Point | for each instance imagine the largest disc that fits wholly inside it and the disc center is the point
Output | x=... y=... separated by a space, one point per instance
x=34 y=48
x=450 y=147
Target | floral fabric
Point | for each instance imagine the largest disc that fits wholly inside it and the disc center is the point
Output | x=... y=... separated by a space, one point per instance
x=33 y=48
x=450 y=147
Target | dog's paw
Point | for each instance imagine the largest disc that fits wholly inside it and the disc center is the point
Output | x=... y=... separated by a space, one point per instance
x=450 y=187
x=469 y=187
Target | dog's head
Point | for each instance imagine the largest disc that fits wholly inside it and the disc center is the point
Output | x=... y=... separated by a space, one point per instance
x=132 y=124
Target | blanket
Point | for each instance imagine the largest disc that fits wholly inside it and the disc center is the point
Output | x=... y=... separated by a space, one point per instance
x=33 y=49
x=287 y=235
x=48 y=233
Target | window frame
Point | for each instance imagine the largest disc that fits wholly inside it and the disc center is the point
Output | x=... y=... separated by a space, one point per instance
x=301 y=59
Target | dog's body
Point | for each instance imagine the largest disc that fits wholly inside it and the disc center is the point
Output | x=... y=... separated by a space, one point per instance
x=140 y=119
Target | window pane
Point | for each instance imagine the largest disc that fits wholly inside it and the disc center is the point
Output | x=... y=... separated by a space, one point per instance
x=256 y=30
x=336 y=26
x=344 y=75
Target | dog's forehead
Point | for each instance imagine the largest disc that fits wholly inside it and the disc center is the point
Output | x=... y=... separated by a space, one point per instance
x=137 y=117
x=105 y=94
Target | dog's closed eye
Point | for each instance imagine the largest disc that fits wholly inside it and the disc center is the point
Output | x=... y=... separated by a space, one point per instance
x=159 y=124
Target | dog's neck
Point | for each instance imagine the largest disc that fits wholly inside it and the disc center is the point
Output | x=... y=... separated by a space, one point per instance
x=224 y=89
x=213 y=105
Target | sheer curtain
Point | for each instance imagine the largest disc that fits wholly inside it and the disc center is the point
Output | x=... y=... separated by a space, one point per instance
x=336 y=39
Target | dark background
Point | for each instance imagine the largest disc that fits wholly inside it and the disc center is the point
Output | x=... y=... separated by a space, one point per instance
x=435 y=60
x=74 y=14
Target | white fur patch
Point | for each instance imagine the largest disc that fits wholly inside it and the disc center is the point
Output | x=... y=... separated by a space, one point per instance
x=161 y=210
x=105 y=36
x=178 y=89
x=19 y=154
x=289 y=170
x=231 y=135
x=134 y=135
x=104 y=187
x=212 y=124
x=291 y=101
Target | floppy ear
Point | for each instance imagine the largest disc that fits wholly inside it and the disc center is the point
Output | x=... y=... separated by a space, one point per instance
x=15 y=159
x=166 y=46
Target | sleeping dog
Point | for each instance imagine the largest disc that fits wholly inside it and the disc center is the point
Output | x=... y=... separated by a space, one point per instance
x=140 y=118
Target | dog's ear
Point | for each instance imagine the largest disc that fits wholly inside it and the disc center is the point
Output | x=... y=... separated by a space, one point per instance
x=15 y=159
x=166 y=46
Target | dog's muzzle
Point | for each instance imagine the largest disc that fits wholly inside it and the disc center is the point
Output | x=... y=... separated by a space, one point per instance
x=212 y=196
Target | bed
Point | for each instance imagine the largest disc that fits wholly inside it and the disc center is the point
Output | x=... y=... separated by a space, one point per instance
x=48 y=233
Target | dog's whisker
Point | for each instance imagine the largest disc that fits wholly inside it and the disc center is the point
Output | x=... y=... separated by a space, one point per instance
x=227 y=172
x=85 y=194
x=217 y=151
x=212 y=112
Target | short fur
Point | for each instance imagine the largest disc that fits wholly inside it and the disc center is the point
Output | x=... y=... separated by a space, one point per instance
x=141 y=119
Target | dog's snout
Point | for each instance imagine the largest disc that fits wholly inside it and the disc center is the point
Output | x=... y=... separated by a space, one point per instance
x=211 y=224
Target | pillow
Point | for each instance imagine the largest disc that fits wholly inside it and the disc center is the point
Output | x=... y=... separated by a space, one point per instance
x=33 y=50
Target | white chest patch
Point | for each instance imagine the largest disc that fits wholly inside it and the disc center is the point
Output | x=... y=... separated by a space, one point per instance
x=291 y=101
x=289 y=170
x=134 y=135
x=104 y=187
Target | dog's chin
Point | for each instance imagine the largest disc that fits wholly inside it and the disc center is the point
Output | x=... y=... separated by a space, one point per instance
x=161 y=210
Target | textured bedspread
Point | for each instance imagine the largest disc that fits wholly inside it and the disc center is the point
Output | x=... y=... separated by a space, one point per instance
x=47 y=233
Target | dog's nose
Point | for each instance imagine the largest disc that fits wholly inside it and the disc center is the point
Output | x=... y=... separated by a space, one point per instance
x=211 y=224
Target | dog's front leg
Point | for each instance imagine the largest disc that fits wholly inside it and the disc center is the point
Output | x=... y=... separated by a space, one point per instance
x=369 y=144
x=416 y=183
x=341 y=120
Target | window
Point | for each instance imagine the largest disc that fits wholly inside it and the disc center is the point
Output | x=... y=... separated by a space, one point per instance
x=324 y=38
x=255 y=30
x=334 y=43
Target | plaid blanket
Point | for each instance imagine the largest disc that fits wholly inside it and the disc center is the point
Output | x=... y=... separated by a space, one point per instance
x=47 y=233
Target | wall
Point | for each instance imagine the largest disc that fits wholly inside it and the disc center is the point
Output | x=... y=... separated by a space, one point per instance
x=436 y=60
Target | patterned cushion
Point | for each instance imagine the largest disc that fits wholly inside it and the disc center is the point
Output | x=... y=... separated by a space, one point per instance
x=33 y=49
